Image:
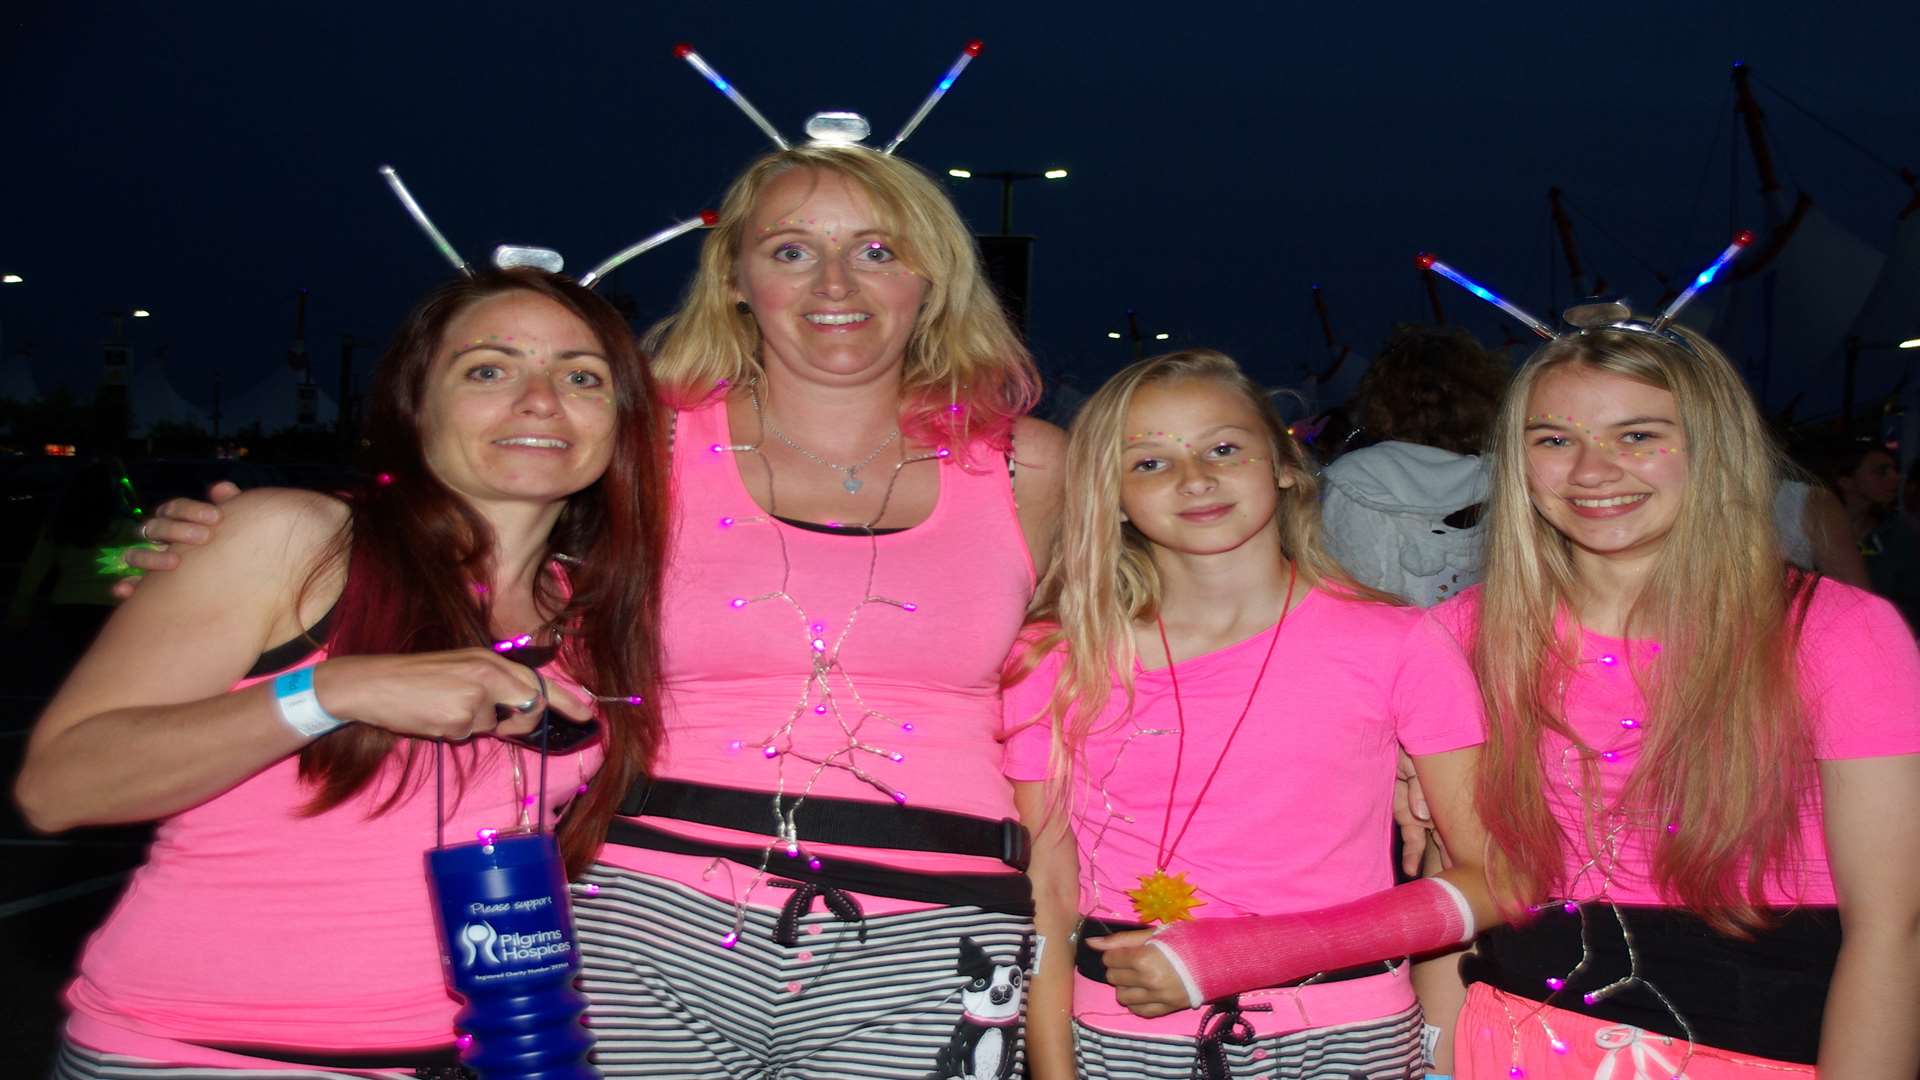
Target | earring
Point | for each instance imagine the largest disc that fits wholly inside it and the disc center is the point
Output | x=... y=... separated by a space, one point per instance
x=742 y=307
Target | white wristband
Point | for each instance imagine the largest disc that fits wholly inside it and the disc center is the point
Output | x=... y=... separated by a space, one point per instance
x=293 y=696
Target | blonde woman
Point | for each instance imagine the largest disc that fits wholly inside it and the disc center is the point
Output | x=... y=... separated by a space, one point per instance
x=1700 y=761
x=823 y=878
x=1229 y=703
x=824 y=874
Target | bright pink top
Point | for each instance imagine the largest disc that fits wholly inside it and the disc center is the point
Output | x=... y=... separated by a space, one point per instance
x=253 y=923
x=909 y=631
x=1859 y=675
x=1300 y=815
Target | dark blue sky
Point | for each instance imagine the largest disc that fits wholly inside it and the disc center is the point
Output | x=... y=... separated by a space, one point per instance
x=206 y=160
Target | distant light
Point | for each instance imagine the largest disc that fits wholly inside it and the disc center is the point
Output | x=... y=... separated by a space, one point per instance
x=11 y=279
x=1055 y=174
x=960 y=174
x=1911 y=343
x=1161 y=337
x=1114 y=334
x=141 y=313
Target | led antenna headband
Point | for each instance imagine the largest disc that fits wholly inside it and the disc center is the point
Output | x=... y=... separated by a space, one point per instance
x=507 y=256
x=1429 y=262
x=1704 y=278
x=1598 y=312
x=831 y=127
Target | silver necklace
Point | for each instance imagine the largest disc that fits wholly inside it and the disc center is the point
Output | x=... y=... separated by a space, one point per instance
x=852 y=483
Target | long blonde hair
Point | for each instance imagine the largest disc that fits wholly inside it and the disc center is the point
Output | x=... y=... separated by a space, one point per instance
x=1724 y=762
x=1103 y=578
x=967 y=375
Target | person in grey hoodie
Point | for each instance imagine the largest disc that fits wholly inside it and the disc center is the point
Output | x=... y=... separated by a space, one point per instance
x=1403 y=514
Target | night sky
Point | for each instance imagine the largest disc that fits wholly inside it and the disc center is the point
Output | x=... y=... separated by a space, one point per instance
x=206 y=160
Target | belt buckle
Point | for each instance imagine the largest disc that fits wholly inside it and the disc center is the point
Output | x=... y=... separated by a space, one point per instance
x=634 y=803
x=1015 y=846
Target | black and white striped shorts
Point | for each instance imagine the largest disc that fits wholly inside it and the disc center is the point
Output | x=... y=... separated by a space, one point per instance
x=1385 y=1049
x=668 y=1001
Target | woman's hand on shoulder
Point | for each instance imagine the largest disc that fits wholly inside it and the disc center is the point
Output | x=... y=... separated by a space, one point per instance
x=187 y=522
x=1039 y=484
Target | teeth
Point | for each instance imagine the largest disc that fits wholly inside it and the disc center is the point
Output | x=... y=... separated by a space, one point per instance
x=1617 y=500
x=543 y=444
x=824 y=319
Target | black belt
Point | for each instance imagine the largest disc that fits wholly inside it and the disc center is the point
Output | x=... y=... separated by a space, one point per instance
x=823 y=820
x=427 y=1062
x=1007 y=893
x=1763 y=995
x=1088 y=961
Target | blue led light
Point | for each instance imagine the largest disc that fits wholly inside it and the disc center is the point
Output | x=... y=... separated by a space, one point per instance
x=945 y=85
x=1481 y=293
x=721 y=84
x=1706 y=276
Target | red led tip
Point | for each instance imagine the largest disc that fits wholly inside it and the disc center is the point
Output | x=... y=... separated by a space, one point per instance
x=1425 y=260
x=1743 y=237
x=682 y=50
x=973 y=47
x=709 y=218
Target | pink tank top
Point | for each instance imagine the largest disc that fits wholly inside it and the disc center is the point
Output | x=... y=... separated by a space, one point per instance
x=909 y=629
x=253 y=923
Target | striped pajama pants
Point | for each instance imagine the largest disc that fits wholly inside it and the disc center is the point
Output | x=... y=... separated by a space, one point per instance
x=1385 y=1049
x=881 y=998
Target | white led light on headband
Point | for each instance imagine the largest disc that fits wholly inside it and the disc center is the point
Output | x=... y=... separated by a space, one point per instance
x=508 y=256
x=831 y=128
x=1598 y=313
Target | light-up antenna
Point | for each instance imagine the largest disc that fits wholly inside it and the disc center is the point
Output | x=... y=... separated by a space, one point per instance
x=1704 y=278
x=420 y=218
x=685 y=52
x=1428 y=262
x=704 y=219
x=939 y=91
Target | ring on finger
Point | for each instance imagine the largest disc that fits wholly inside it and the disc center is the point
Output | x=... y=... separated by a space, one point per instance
x=527 y=705
x=145 y=536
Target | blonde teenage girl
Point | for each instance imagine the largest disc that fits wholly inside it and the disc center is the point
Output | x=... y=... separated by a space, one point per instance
x=1702 y=762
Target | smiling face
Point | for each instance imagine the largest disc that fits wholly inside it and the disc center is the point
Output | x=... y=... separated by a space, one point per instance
x=1197 y=468
x=832 y=298
x=1606 y=461
x=518 y=404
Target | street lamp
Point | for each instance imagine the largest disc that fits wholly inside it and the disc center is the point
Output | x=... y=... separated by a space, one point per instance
x=1855 y=347
x=1133 y=331
x=11 y=279
x=1007 y=180
x=141 y=313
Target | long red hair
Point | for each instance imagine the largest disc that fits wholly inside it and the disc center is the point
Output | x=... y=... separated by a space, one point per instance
x=612 y=535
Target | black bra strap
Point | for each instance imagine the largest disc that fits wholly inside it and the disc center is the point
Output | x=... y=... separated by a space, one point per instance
x=291 y=652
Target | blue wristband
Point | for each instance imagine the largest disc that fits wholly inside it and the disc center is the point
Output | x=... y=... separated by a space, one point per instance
x=293 y=696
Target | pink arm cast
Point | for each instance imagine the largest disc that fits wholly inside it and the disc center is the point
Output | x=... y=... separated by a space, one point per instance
x=1218 y=957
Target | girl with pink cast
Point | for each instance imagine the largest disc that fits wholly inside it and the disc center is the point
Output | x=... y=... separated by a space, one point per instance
x=1219 y=706
x=1709 y=761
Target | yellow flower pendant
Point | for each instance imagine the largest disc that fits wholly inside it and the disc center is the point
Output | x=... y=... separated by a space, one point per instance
x=1164 y=898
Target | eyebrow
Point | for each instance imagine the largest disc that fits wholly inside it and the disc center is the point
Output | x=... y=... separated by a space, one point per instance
x=795 y=230
x=517 y=352
x=1204 y=434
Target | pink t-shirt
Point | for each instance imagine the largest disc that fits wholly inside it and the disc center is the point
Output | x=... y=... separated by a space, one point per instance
x=253 y=923
x=1299 y=816
x=1859 y=676
x=908 y=658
